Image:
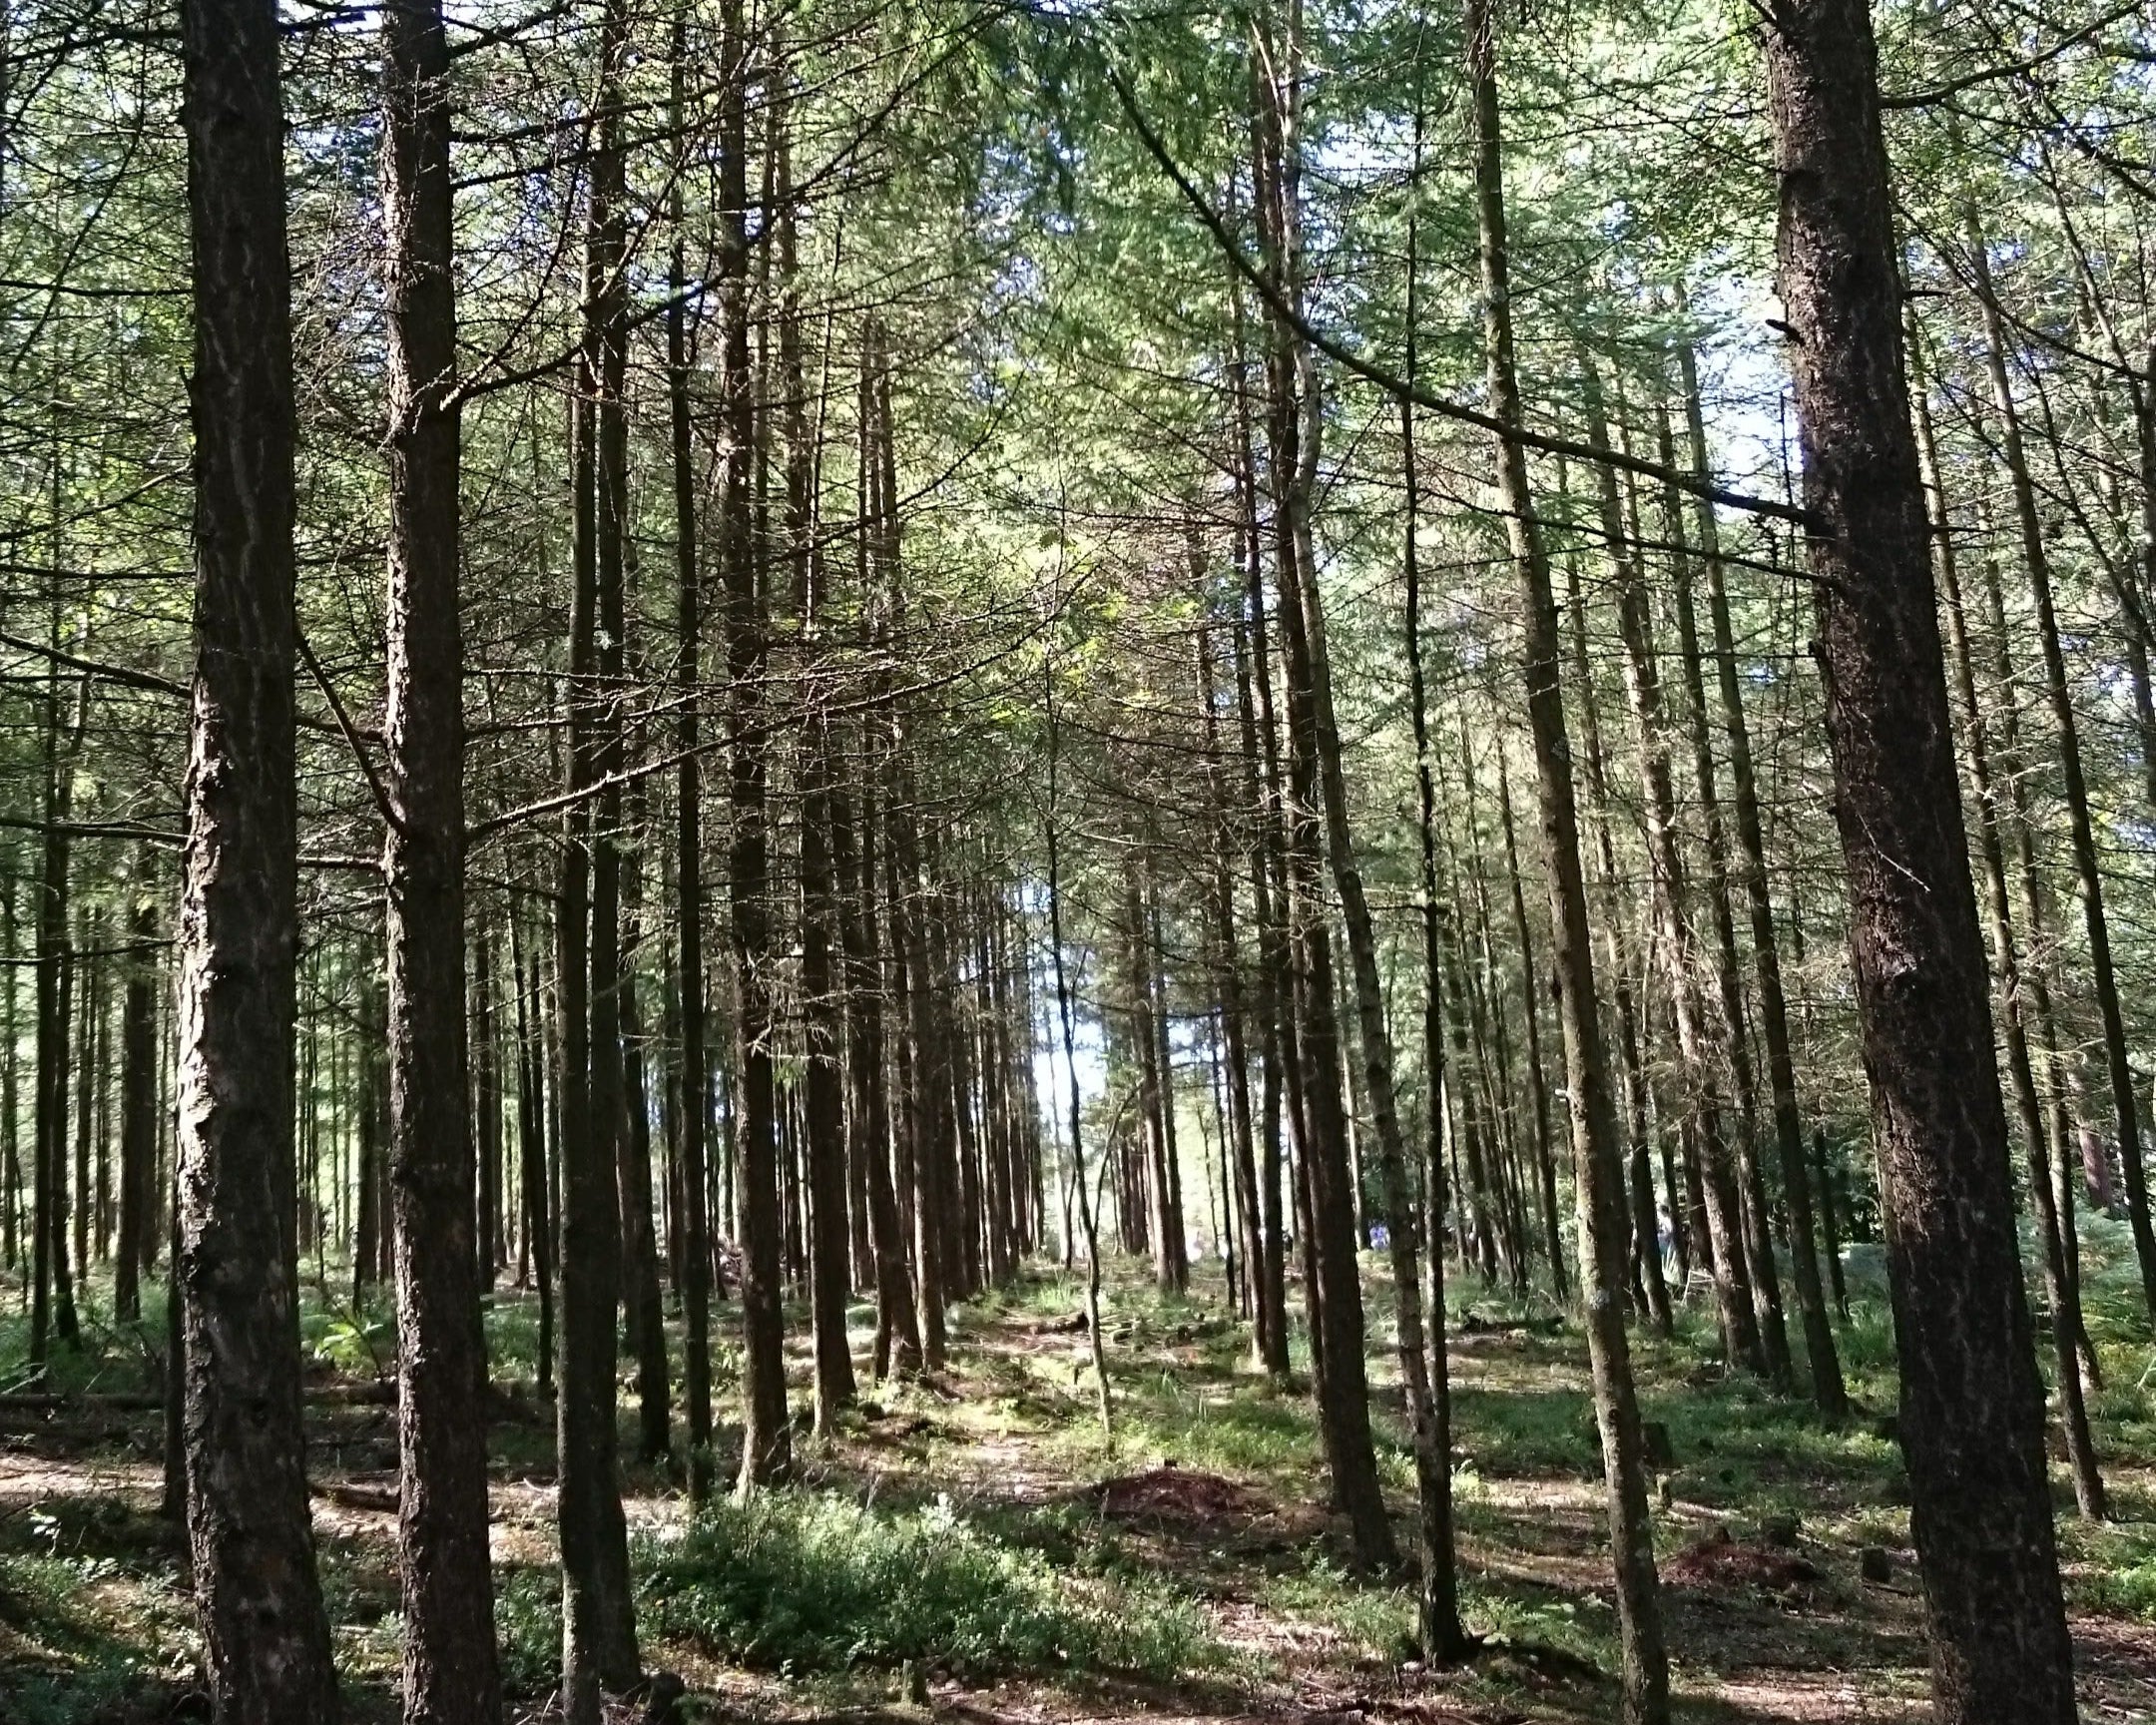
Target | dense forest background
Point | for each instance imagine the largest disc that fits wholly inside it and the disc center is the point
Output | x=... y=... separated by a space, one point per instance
x=1423 y=733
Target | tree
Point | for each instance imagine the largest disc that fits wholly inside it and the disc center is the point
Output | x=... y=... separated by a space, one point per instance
x=1971 y=1414
x=264 y=1633
x=449 y=1658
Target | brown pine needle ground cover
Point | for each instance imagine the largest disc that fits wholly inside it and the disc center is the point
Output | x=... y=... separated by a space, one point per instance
x=975 y=1550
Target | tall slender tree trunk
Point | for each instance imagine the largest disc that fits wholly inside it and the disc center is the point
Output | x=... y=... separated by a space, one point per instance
x=695 y=1104
x=1745 y=1338
x=1827 y=1388
x=265 y=1637
x=1733 y=1026
x=831 y=1241
x=643 y=1298
x=1066 y=1014
x=1646 y=1233
x=1971 y=1409
x=598 y=1650
x=2064 y=1295
x=538 y=1227
x=1598 y=1175
x=1163 y=1222
x=486 y=1104
x=138 y=1107
x=450 y=1670
x=898 y=1345
x=1430 y=1386
x=52 y=1307
x=11 y=1239
x=1293 y=420
x=1241 y=1142
x=1260 y=780
x=767 y=1443
x=1545 y=1167
x=2073 y=780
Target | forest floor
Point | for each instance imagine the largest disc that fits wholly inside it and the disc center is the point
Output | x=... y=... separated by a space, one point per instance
x=976 y=1552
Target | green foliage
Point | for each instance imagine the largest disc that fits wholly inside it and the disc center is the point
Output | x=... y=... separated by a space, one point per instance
x=78 y=1641
x=528 y=1626
x=804 y=1583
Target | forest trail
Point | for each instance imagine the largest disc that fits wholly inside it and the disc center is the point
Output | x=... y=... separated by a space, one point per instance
x=1193 y=1545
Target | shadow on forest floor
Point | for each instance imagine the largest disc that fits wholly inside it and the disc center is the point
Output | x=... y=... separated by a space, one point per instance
x=977 y=1550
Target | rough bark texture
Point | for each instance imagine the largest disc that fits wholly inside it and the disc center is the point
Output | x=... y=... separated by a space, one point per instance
x=1971 y=1410
x=265 y=1638
x=450 y=1674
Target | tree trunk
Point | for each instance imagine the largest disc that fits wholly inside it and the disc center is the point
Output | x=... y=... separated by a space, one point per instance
x=1734 y=1028
x=1545 y=1166
x=598 y=1650
x=1971 y=1410
x=1241 y=1144
x=1646 y=1235
x=532 y=1147
x=138 y=1108
x=1292 y=419
x=1827 y=1388
x=2060 y=1288
x=642 y=1297
x=486 y=1088
x=1745 y=1339
x=831 y=1241
x=695 y=1104
x=451 y=1673
x=767 y=1443
x=1598 y=1177
x=1261 y=785
x=1437 y=1620
x=2088 y=867
x=265 y=1637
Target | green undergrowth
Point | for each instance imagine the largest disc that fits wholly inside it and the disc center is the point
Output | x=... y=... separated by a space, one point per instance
x=82 y=1635
x=807 y=1581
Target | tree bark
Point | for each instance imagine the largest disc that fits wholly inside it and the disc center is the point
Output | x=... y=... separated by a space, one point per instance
x=265 y=1637
x=1598 y=1177
x=137 y=1109
x=643 y=1298
x=1971 y=1411
x=695 y=1104
x=1437 y=1620
x=1293 y=420
x=2014 y=993
x=1745 y=1340
x=767 y=1443
x=1827 y=1388
x=831 y=1241
x=598 y=1650
x=2088 y=867
x=450 y=1669
x=1646 y=1235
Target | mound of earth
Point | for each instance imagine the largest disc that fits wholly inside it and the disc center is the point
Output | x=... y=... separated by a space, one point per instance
x=1177 y=1494
x=1721 y=1561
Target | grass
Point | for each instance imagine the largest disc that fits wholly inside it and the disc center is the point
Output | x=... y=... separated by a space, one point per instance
x=913 y=1540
